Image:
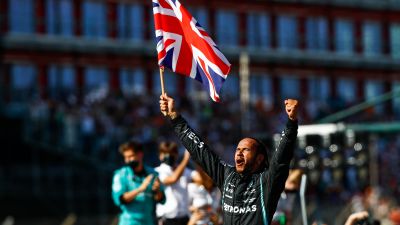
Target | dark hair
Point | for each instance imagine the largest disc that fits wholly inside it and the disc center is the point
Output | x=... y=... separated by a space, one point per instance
x=262 y=149
x=132 y=146
x=168 y=147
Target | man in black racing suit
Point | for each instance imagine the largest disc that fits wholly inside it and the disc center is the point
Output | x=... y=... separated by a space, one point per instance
x=251 y=189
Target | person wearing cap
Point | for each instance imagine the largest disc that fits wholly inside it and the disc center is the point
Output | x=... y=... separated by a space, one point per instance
x=250 y=189
x=175 y=177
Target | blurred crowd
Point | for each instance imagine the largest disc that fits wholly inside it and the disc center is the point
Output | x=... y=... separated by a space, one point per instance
x=379 y=203
x=101 y=121
x=96 y=125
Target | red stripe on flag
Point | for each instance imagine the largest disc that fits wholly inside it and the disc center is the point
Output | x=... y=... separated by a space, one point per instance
x=164 y=4
x=168 y=43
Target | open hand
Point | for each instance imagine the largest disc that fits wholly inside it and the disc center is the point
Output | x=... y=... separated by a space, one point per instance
x=146 y=182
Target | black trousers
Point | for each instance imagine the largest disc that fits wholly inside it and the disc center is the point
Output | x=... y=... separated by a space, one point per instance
x=175 y=221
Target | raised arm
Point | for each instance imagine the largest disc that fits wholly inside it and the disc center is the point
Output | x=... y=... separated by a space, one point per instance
x=200 y=152
x=357 y=217
x=293 y=181
x=167 y=106
x=284 y=153
x=274 y=179
x=174 y=177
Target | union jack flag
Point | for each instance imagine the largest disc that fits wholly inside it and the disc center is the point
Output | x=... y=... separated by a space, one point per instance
x=185 y=47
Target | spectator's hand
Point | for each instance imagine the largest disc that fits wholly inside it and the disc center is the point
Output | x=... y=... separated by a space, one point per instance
x=156 y=185
x=214 y=218
x=291 y=108
x=355 y=217
x=293 y=181
x=186 y=156
x=146 y=183
x=167 y=106
x=196 y=216
x=158 y=194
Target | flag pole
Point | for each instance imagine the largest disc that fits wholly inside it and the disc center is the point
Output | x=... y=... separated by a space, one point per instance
x=162 y=85
x=162 y=79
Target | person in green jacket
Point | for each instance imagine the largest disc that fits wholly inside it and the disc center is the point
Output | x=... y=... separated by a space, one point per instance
x=136 y=188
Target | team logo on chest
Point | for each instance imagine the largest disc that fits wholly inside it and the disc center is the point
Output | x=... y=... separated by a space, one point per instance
x=246 y=205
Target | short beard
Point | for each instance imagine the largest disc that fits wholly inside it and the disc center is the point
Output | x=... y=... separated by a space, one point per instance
x=252 y=164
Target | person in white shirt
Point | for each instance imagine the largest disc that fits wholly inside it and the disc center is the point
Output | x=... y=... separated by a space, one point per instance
x=204 y=200
x=175 y=178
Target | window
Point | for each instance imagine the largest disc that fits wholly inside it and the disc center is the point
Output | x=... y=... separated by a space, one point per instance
x=254 y=86
x=319 y=88
x=372 y=40
x=130 y=25
x=95 y=78
x=21 y=16
x=126 y=79
x=151 y=28
x=170 y=82
x=261 y=88
x=373 y=89
x=61 y=80
x=344 y=36
x=290 y=87
x=266 y=86
x=94 y=19
x=61 y=77
x=193 y=87
x=139 y=85
x=133 y=81
x=396 y=100
x=201 y=16
x=346 y=89
x=227 y=28
x=23 y=82
x=23 y=77
x=59 y=17
x=318 y=96
x=230 y=88
x=287 y=33
x=317 y=33
x=258 y=30
x=395 y=40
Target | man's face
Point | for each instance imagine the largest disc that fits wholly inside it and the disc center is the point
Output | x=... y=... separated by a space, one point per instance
x=245 y=155
x=130 y=155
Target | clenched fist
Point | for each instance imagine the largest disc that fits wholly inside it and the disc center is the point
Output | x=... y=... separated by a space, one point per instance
x=167 y=106
x=291 y=106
